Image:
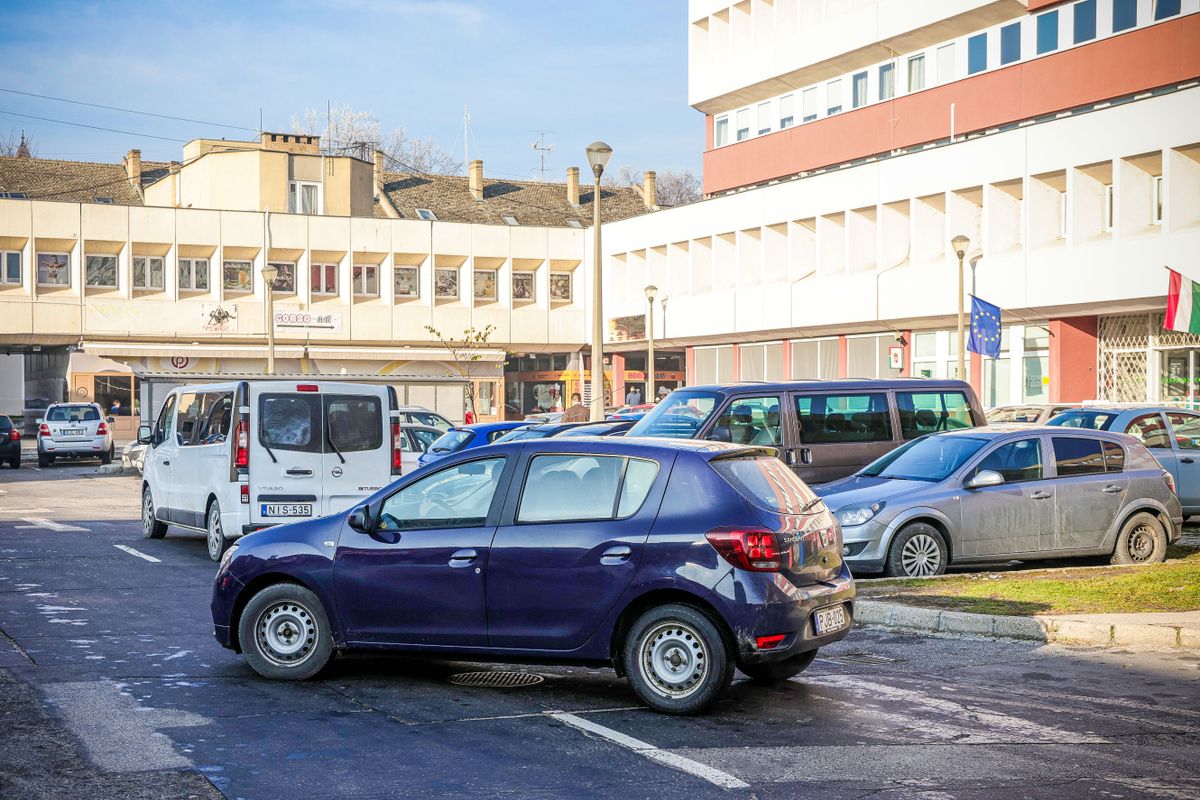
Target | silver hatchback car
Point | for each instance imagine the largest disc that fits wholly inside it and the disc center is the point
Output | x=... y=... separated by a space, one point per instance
x=1006 y=492
x=74 y=430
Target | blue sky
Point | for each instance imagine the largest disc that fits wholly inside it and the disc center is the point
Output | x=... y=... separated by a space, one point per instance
x=584 y=69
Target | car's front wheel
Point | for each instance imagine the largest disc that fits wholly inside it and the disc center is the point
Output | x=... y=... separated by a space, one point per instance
x=917 y=551
x=1142 y=540
x=676 y=659
x=778 y=671
x=284 y=633
x=217 y=543
x=151 y=527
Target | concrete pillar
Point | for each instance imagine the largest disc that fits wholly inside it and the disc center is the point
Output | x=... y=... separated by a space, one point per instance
x=1073 y=351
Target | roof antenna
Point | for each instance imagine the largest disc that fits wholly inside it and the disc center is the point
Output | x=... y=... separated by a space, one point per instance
x=542 y=148
x=466 y=146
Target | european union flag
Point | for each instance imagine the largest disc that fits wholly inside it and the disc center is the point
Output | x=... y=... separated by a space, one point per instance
x=985 y=328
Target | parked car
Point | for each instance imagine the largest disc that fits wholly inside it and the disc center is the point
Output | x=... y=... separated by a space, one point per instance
x=74 y=430
x=1006 y=492
x=134 y=455
x=1029 y=413
x=1171 y=434
x=35 y=409
x=616 y=427
x=671 y=561
x=631 y=412
x=824 y=430
x=415 y=441
x=466 y=437
x=419 y=415
x=10 y=443
x=544 y=416
x=543 y=431
x=229 y=458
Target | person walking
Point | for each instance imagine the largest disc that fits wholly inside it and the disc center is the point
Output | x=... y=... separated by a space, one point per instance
x=577 y=412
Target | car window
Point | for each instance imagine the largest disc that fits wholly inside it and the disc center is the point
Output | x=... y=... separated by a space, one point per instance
x=1016 y=461
x=190 y=410
x=926 y=412
x=766 y=482
x=678 y=416
x=425 y=439
x=749 y=420
x=494 y=435
x=571 y=488
x=1186 y=428
x=430 y=419
x=1079 y=418
x=455 y=497
x=1114 y=457
x=218 y=410
x=1077 y=456
x=166 y=420
x=827 y=418
x=639 y=477
x=5 y=423
x=450 y=442
x=73 y=414
x=930 y=458
x=354 y=422
x=1151 y=430
x=1014 y=414
x=290 y=422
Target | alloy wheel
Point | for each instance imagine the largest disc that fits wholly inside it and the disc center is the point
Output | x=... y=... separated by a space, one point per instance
x=216 y=536
x=674 y=659
x=921 y=556
x=147 y=514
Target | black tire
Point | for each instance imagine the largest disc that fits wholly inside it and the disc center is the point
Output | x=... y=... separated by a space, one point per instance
x=778 y=671
x=917 y=551
x=694 y=660
x=214 y=532
x=106 y=458
x=1142 y=540
x=15 y=463
x=43 y=461
x=151 y=527
x=284 y=633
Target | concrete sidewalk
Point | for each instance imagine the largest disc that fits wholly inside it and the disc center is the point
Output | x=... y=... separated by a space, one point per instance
x=1168 y=630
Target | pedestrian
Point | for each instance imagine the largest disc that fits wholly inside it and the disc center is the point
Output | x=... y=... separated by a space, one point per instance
x=578 y=412
x=634 y=397
x=662 y=393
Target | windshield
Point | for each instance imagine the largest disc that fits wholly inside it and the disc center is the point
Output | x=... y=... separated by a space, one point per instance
x=450 y=442
x=679 y=416
x=930 y=458
x=522 y=433
x=1081 y=418
x=1014 y=414
x=430 y=419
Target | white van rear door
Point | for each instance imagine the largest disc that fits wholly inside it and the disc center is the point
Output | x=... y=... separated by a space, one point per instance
x=286 y=444
x=357 y=460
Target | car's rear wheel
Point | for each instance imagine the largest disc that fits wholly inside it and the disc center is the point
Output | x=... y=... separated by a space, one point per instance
x=106 y=458
x=1142 y=540
x=44 y=461
x=151 y=527
x=217 y=543
x=284 y=633
x=676 y=659
x=778 y=671
x=917 y=551
x=15 y=463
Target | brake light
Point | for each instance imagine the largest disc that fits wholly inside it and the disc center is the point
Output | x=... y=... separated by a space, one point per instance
x=755 y=549
x=102 y=429
x=306 y=387
x=769 y=642
x=14 y=435
x=241 y=444
x=397 y=453
x=44 y=430
x=1169 y=480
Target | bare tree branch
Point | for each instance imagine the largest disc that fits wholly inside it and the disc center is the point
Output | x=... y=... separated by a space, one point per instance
x=673 y=187
x=344 y=128
x=10 y=143
x=464 y=353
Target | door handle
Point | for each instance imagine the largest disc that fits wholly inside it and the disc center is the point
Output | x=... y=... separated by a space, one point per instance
x=1187 y=461
x=1113 y=489
x=789 y=457
x=1041 y=495
x=463 y=558
x=805 y=455
x=616 y=555
x=166 y=462
x=298 y=471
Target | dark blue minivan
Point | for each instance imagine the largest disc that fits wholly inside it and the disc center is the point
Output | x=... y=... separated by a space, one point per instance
x=672 y=561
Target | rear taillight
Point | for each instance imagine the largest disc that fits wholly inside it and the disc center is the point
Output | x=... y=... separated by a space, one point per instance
x=44 y=430
x=1169 y=480
x=102 y=429
x=14 y=435
x=245 y=494
x=307 y=387
x=241 y=444
x=753 y=549
x=397 y=453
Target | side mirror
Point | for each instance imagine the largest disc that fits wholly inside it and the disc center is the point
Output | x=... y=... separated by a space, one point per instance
x=360 y=519
x=110 y=420
x=145 y=434
x=984 y=479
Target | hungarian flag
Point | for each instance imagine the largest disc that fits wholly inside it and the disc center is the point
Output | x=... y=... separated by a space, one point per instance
x=1183 y=304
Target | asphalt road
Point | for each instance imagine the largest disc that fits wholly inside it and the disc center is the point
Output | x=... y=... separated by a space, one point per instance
x=112 y=686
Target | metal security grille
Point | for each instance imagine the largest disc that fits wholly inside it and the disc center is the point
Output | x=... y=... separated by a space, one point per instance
x=1130 y=349
x=496 y=680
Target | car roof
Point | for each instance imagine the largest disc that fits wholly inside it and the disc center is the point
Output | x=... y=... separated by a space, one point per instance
x=71 y=404
x=623 y=445
x=1017 y=430
x=490 y=426
x=416 y=426
x=833 y=385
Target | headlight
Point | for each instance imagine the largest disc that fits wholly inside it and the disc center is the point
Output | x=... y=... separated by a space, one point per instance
x=225 y=559
x=857 y=514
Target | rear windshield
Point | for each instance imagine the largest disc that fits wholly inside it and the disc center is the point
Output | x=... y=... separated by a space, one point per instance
x=767 y=482
x=1079 y=418
x=1014 y=414
x=5 y=423
x=930 y=458
x=73 y=414
x=679 y=416
x=522 y=433
x=450 y=442
x=355 y=422
x=290 y=422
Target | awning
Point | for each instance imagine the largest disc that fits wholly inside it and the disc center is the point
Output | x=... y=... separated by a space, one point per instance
x=282 y=351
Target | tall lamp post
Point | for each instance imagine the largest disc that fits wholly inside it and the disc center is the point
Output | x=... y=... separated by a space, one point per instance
x=270 y=273
x=651 y=293
x=598 y=154
x=960 y=244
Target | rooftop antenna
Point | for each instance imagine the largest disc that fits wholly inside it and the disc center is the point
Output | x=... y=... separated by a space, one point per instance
x=542 y=148
x=466 y=145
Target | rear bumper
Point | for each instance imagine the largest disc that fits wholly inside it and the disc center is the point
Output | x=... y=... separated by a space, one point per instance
x=89 y=447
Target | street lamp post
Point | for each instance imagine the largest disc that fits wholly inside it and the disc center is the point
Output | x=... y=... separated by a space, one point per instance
x=960 y=244
x=270 y=273
x=651 y=293
x=598 y=154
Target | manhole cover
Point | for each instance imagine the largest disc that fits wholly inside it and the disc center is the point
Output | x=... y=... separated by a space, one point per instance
x=496 y=680
x=863 y=658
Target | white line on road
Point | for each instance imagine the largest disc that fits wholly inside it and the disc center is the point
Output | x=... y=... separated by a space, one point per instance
x=138 y=553
x=665 y=757
x=24 y=510
x=37 y=522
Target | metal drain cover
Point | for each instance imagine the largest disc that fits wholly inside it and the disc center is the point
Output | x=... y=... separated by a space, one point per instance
x=863 y=658
x=496 y=680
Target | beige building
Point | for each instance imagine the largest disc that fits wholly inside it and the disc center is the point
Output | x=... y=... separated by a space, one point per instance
x=115 y=270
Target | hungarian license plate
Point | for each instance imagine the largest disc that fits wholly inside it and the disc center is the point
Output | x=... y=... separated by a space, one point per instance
x=74 y=431
x=828 y=620
x=286 y=509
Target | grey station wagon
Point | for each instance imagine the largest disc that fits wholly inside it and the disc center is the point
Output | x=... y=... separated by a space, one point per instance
x=1006 y=492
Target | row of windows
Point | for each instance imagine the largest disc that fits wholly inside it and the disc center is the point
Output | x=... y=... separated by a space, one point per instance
x=1047 y=32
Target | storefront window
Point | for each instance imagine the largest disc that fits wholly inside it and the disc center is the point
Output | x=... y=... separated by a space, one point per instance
x=116 y=395
x=1176 y=376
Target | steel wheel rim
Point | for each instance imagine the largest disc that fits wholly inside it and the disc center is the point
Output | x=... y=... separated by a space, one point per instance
x=147 y=514
x=1141 y=543
x=286 y=633
x=215 y=534
x=921 y=556
x=674 y=660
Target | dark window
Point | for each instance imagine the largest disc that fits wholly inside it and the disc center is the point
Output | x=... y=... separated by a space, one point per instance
x=1114 y=457
x=1016 y=461
x=1165 y=8
x=977 y=53
x=749 y=420
x=1186 y=428
x=927 y=412
x=1047 y=32
x=455 y=497
x=218 y=410
x=451 y=442
x=1124 y=14
x=166 y=420
x=826 y=418
x=191 y=409
x=355 y=423
x=1010 y=43
x=1151 y=430
x=73 y=414
x=1085 y=21
x=859 y=84
x=5 y=423
x=424 y=438
x=584 y=487
x=766 y=482
x=290 y=422
x=1076 y=456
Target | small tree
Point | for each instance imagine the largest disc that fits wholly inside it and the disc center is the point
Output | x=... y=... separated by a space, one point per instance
x=465 y=353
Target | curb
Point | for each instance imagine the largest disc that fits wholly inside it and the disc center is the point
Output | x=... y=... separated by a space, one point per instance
x=1039 y=629
x=115 y=469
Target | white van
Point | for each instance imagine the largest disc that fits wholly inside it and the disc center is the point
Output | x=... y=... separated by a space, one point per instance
x=230 y=458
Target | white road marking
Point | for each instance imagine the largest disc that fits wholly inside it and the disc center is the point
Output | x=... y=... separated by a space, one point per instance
x=665 y=757
x=138 y=553
x=37 y=522
x=24 y=510
x=174 y=656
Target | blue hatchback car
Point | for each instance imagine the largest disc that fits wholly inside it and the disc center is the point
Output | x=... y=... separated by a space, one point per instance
x=671 y=561
x=465 y=437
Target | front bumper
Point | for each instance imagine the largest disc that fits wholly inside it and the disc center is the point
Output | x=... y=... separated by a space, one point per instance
x=864 y=547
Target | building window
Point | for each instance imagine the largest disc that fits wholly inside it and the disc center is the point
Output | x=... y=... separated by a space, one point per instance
x=786 y=118
x=808 y=104
x=859 y=90
x=324 y=278
x=945 y=63
x=54 y=269
x=149 y=273
x=100 y=272
x=814 y=359
x=1165 y=8
x=722 y=132
x=743 y=124
x=833 y=97
x=1047 y=32
x=407 y=282
x=1085 y=21
x=887 y=81
x=445 y=284
x=560 y=287
x=977 y=53
x=426 y=214
x=10 y=267
x=764 y=118
x=193 y=274
x=1109 y=206
x=509 y=219
x=364 y=279
x=304 y=197
x=285 y=277
x=523 y=287
x=238 y=276
x=916 y=73
x=1010 y=43
x=713 y=365
x=1124 y=14
x=1156 y=199
x=485 y=284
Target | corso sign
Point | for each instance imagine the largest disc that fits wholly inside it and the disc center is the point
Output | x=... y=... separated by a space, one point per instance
x=306 y=320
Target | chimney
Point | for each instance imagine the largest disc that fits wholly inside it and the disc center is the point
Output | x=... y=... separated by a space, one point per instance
x=475 y=179
x=381 y=197
x=649 y=189
x=133 y=168
x=378 y=170
x=573 y=186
